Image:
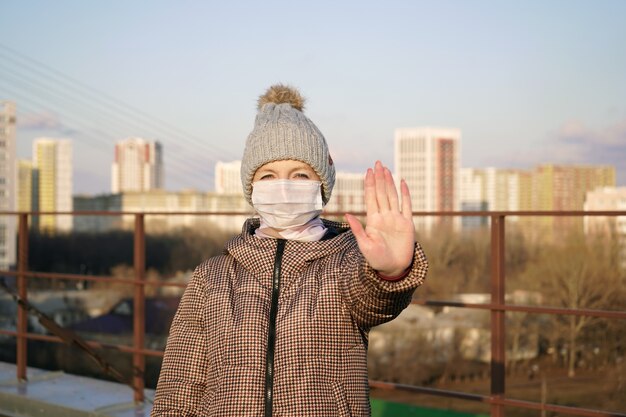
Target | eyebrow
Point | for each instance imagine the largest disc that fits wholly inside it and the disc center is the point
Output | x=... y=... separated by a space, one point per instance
x=303 y=167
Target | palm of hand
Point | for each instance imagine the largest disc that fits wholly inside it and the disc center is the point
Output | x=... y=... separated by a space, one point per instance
x=387 y=241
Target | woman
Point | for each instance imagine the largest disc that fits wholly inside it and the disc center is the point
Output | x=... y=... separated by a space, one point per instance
x=278 y=324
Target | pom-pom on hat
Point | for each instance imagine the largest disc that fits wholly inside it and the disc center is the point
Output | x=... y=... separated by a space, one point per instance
x=282 y=131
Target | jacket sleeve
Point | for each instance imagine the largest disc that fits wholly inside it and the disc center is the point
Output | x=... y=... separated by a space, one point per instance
x=182 y=381
x=373 y=300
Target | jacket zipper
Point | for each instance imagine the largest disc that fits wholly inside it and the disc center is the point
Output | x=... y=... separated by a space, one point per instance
x=271 y=337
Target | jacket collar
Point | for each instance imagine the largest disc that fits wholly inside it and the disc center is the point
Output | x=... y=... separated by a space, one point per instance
x=257 y=255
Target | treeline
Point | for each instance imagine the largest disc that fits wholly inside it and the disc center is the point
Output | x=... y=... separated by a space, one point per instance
x=573 y=271
x=100 y=253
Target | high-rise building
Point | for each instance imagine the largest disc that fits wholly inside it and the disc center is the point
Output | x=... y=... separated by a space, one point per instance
x=138 y=166
x=428 y=159
x=228 y=178
x=52 y=162
x=563 y=188
x=494 y=189
x=502 y=188
x=473 y=185
x=473 y=196
x=348 y=194
x=606 y=199
x=24 y=185
x=7 y=183
x=611 y=227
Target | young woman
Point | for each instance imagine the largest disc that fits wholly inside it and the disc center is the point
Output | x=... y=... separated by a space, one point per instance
x=278 y=324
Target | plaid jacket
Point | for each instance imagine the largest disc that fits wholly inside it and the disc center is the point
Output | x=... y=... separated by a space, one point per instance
x=329 y=298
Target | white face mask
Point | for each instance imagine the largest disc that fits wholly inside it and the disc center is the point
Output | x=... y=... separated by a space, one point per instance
x=284 y=204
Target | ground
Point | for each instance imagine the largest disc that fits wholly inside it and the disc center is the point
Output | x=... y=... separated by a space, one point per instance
x=600 y=389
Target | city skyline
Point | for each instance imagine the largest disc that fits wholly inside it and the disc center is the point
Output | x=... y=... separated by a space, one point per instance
x=438 y=143
x=526 y=83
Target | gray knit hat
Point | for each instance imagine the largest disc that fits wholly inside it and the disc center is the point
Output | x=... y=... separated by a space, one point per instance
x=281 y=131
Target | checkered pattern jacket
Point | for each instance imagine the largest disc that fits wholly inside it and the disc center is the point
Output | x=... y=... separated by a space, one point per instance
x=329 y=298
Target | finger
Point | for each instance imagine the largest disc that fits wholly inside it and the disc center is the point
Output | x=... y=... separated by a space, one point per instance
x=381 y=188
x=392 y=193
x=407 y=206
x=371 y=205
x=357 y=228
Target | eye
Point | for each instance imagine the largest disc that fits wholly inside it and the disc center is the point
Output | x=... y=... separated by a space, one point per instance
x=301 y=176
x=266 y=177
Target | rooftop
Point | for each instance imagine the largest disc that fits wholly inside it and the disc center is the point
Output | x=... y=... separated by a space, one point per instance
x=55 y=393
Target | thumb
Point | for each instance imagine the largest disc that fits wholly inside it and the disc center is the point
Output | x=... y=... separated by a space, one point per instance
x=356 y=226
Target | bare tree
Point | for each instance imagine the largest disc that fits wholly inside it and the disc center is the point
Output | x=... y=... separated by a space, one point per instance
x=458 y=263
x=578 y=273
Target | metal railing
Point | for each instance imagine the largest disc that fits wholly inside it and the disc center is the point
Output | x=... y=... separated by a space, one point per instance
x=496 y=399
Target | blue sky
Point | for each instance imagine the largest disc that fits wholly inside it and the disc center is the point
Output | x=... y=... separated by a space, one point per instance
x=527 y=82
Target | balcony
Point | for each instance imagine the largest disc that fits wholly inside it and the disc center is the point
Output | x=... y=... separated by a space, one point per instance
x=494 y=350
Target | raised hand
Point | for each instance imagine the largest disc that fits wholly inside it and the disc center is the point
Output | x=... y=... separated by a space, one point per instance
x=388 y=239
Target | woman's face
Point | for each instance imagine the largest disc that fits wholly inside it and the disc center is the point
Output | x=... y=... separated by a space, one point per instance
x=286 y=169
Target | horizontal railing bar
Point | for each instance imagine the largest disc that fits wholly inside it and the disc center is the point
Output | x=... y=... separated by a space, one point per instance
x=372 y=383
x=91 y=343
x=390 y=386
x=578 y=411
x=94 y=278
x=128 y=213
x=612 y=314
x=577 y=213
x=526 y=213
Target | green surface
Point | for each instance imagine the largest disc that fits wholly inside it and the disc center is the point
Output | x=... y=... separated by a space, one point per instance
x=382 y=408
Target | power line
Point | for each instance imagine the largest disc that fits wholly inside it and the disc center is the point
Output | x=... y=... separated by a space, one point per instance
x=99 y=141
x=113 y=126
x=102 y=97
x=112 y=119
x=82 y=100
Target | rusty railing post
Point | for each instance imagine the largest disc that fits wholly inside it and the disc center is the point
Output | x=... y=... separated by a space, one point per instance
x=22 y=313
x=498 y=335
x=139 y=310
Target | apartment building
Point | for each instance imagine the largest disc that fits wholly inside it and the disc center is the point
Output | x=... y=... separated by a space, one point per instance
x=24 y=185
x=494 y=189
x=8 y=187
x=228 y=178
x=53 y=183
x=613 y=227
x=348 y=195
x=428 y=158
x=564 y=188
x=137 y=166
